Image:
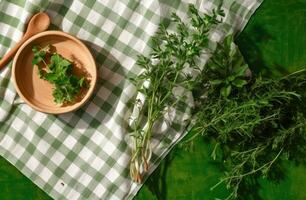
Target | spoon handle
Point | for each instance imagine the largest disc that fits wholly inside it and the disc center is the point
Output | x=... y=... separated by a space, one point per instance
x=9 y=55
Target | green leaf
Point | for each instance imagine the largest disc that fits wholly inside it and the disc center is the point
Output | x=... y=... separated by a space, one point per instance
x=36 y=60
x=216 y=82
x=35 y=49
x=240 y=71
x=226 y=91
x=231 y=78
x=228 y=42
x=82 y=82
x=51 y=77
x=238 y=61
x=58 y=95
x=65 y=62
x=239 y=83
x=38 y=55
x=55 y=59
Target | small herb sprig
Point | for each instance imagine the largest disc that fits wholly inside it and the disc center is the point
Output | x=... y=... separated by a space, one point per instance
x=59 y=73
x=163 y=71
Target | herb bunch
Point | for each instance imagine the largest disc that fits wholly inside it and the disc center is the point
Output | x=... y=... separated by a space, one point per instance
x=254 y=126
x=253 y=123
x=163 y=71
x=59 y=73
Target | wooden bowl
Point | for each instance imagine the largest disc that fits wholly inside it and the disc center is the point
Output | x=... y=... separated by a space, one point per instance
x=37 y=92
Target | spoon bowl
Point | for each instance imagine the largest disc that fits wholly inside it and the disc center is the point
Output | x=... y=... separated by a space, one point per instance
x=38 y=23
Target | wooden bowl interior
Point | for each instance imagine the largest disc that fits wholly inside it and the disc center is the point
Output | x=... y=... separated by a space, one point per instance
x=38 y=92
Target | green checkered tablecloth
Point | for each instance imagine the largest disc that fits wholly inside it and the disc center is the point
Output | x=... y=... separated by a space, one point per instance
x=85 y=154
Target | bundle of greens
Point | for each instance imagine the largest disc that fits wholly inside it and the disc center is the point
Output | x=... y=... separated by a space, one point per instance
x=163 y=71
x=252 y=126
x=59 y=73
x=252 y=122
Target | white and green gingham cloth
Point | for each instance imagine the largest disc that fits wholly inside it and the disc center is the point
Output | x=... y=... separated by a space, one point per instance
x=85 y=154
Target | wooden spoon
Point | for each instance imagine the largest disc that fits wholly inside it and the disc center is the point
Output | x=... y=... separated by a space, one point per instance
x=38 y=23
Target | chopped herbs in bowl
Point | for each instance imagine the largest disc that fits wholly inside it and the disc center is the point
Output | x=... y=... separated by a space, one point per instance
x=58 y=71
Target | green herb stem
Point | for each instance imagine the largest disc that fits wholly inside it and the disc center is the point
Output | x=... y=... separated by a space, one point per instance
x=240 y=176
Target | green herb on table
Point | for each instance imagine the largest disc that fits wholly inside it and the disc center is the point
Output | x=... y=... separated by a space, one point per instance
x=226 y=71
x=58 y=72
x=254 y=127
x=163 y=71
x=253 y=123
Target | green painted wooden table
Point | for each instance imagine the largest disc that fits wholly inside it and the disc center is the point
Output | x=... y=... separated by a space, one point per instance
x=273 y=42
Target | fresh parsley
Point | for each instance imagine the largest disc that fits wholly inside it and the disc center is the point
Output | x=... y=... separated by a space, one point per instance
x=163 y=72
x=58 y=72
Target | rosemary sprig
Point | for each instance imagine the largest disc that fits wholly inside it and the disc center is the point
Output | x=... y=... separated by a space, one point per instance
x=163 y=71
x=252 y=128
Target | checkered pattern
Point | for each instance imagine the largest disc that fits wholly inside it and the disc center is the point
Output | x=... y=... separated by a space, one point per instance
x=85 y=154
